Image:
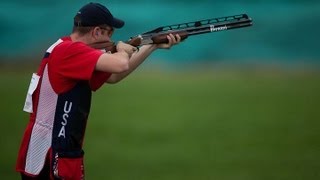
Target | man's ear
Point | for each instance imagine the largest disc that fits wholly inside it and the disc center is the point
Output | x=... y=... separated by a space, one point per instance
x=95 y=31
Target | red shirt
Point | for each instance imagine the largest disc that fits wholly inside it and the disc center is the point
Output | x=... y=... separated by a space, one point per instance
x=68 y=63
x=73 y=61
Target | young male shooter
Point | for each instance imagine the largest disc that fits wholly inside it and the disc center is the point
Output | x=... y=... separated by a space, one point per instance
x=59 y=95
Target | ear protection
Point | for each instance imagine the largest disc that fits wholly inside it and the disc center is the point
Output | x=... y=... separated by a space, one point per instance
x=97 y=33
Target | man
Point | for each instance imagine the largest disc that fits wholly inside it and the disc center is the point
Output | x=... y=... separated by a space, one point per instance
x=59 y=95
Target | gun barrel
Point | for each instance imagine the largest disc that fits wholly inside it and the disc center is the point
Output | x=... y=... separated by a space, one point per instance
x=219 y=27
x=159 y=34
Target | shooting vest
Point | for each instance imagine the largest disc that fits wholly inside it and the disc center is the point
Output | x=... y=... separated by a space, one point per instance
x=59 y=121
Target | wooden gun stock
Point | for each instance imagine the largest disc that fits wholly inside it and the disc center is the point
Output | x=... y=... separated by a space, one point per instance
x=162 y=38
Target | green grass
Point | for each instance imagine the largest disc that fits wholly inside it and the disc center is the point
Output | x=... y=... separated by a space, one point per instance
x=224 y=125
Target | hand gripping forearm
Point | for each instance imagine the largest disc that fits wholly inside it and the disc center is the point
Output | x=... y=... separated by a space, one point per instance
x=127 y=48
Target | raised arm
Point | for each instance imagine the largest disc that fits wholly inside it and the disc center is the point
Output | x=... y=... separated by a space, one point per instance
x=117 y=62
x=140 y=56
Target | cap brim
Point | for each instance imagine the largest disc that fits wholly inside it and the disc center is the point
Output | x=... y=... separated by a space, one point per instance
x=117 y=23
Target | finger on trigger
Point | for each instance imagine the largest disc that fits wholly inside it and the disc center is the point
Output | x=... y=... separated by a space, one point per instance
x=134 y=49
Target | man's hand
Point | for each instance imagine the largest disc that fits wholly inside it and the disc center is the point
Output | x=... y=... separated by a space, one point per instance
x=172 y=40
x=127 y=48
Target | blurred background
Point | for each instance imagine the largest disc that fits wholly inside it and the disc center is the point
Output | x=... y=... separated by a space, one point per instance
x=238 y=104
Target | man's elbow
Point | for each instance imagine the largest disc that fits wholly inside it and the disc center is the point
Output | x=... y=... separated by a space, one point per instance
x=113 y=79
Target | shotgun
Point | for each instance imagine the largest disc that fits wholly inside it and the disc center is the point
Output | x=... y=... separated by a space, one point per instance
x=159 y=35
